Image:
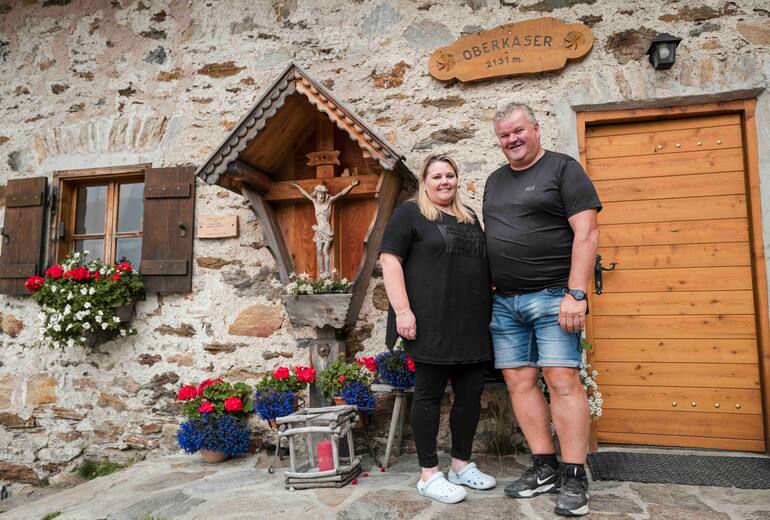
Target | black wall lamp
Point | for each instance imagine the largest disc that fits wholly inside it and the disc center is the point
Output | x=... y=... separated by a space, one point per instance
x=662 y=51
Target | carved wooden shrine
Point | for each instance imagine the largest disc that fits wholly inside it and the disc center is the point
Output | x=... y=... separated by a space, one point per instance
x=298 y=132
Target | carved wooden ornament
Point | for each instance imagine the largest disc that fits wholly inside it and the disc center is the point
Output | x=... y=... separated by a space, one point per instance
x=512 y=49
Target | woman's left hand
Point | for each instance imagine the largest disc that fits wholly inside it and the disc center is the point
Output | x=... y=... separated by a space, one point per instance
x=406 y=325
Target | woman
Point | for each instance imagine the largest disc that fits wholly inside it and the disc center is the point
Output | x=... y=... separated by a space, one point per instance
x=436 y=274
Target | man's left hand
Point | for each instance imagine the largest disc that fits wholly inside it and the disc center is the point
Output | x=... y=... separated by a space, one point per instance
x=572 y=314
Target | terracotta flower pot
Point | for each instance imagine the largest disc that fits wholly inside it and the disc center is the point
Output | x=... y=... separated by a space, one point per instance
x=213 y=457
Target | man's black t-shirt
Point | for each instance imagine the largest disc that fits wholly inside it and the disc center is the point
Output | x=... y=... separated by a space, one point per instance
x=529 y=240
x=447 y=280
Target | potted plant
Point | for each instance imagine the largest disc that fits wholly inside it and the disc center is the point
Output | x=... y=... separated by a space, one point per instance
x=349 y=383
x=216 y=414
x=316 y=301
x=393 y=367
x=278 y=393
x=85 y=302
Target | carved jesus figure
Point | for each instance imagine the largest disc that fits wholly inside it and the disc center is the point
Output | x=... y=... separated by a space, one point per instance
x=324 y=234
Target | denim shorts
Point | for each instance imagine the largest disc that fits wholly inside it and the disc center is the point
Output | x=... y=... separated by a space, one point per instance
x=526 y=333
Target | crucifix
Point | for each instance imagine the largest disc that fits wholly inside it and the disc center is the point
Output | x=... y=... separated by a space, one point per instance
x=324 y=234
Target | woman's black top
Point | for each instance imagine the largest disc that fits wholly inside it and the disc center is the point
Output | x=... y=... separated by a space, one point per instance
x=447 y=279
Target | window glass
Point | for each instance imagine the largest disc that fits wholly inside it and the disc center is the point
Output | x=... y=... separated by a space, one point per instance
x=95 y=248
x=129 y=249
x=131 y=207
x=90 y=210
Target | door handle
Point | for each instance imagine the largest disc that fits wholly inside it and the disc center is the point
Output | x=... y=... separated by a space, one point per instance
x=182 y=229
x=598 y=268
x=6 y=237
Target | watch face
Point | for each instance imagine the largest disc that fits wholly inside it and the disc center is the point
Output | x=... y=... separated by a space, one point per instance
x=578 y=294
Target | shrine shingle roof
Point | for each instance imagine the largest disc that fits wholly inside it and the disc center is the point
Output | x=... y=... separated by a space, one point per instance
x=295 y=79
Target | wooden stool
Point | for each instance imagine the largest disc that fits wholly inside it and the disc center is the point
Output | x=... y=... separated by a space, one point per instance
x=396 y=419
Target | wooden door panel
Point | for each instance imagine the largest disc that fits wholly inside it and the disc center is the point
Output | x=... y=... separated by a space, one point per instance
x=682 y=441
x=678 y=232
x=724 y=183
x=696 y=208
x=680 y=399
x=678 y=279
x=676 y=321
x=696 y=424
x=678 y=255
x=663 y=142
x=662 y=126
x=662 y=165
x=684 y=374
x=685 y=302
x=675 y=350
x=738 y=326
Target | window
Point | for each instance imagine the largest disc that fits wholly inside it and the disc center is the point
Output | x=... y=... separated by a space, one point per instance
x=102 y=212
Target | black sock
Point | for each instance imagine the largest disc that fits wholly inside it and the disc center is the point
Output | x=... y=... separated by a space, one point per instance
x=548 y=458
x=574 y=470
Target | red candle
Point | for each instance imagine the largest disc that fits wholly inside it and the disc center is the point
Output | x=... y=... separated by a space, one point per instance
x=325 y=459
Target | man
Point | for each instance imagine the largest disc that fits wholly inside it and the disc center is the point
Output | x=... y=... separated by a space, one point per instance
x=540 y=216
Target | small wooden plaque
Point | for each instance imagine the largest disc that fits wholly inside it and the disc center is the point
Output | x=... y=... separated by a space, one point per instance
x=508 y=50
x=213 y=226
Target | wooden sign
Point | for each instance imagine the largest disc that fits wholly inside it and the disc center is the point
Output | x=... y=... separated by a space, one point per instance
x=517 y=48
x=214 y=226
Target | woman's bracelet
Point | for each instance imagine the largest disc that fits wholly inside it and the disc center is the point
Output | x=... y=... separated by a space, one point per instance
x=399 y=313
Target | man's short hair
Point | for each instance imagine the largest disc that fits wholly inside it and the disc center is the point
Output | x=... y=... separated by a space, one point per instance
x=508 y=110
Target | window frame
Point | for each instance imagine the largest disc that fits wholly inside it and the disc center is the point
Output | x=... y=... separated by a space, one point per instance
x=67 y=182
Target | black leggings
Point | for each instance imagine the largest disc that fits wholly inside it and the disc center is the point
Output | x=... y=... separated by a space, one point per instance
x=467 y=385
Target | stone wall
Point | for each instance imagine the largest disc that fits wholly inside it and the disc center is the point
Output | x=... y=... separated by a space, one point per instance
x=100 y=83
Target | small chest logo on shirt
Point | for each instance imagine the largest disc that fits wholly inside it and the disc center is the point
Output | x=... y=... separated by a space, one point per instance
x=530 y=188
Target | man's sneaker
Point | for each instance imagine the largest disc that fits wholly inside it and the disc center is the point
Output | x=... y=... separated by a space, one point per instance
x=573 y=497
x=535 y=481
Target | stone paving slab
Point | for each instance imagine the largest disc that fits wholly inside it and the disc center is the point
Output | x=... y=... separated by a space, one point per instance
x=183 y=487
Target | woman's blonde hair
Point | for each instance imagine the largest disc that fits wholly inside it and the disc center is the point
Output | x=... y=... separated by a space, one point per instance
x=427 y=207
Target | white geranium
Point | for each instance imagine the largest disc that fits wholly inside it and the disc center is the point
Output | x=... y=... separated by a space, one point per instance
x=53 y=288
x=91 y=291
x=122 y=332
x=116 y=319
x=87 y=305
x=104 y=326
x=83 y=291
x=87 y=326
x=98 y=318
x=67 y=309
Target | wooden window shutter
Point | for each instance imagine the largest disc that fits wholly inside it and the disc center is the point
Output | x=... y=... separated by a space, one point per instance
x=167 y=244
x=21 y=242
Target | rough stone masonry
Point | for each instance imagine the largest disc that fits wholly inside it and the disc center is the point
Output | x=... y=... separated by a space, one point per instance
x=95 y=83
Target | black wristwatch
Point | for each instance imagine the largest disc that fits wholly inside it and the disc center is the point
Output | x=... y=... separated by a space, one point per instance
x=578 y=294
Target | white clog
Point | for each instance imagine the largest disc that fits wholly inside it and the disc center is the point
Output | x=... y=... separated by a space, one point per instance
x=440 y=489
x=472 y=477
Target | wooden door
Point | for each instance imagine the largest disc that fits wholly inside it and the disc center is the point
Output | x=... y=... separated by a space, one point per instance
x=675 y=329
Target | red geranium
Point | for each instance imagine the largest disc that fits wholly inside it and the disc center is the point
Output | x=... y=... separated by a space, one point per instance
x=410 y=364
x=55 y=271
x=34 y=283
x=96 y=275
x=233 y=404
x=187 y=392
x=341 y=379
x=206 y=407
x=207 y=383
x=115 y=277
x=281 y=373
x=305 y=374
x=124 y=267
x=367 y=362
x=78 y=274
